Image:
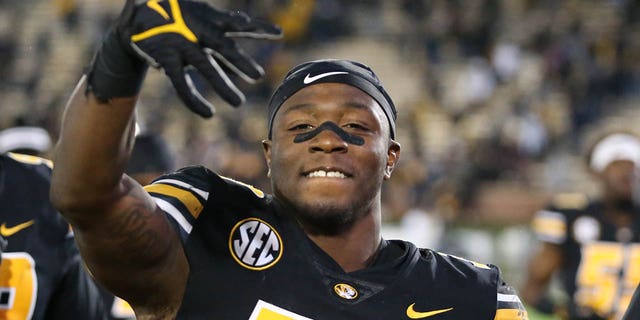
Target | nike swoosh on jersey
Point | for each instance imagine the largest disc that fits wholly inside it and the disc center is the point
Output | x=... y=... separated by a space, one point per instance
x=412 y=314
x=309 y=79
x=9 y=231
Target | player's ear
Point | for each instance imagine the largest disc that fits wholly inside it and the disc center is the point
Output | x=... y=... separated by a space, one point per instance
x=266 y=148
x=393 y=155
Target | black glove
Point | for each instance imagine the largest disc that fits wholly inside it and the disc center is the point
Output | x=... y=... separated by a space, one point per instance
x=179 y=35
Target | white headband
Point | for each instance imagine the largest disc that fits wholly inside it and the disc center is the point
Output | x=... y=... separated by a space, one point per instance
x=31 y=138
x=617 y=146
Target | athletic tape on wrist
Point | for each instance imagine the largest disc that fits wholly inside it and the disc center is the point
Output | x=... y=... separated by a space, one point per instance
x=115 y=72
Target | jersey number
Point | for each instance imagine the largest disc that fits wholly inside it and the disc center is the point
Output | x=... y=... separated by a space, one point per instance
x=267 y=311
x=607 y=276
x=18 y=286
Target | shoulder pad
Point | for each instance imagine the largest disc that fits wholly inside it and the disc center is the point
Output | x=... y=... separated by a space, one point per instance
x=451 y=257
x=198 y=176
x=257 y=192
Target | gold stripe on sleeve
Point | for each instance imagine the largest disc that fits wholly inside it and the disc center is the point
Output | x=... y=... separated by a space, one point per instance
x=511 y=314
x=549 y=226
x=191 y=202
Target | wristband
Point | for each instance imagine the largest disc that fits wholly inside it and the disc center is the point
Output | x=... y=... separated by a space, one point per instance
x=115 y=72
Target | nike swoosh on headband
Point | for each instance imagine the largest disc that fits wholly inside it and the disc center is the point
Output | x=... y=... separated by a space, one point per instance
x=309 y=79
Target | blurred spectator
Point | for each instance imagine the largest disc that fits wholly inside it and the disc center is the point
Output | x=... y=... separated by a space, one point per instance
x=590 y=244
x=150 y=158
x=409 y=213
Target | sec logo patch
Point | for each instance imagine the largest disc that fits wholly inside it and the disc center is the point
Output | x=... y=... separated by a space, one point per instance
x=255 y=244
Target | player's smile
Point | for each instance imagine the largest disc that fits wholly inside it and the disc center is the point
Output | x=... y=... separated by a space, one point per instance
x=327 y=172
x=327 y=179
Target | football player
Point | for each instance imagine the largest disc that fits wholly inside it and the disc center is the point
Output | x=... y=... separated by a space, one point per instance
x=591 y=244
x=196 y=245
x=41 y=273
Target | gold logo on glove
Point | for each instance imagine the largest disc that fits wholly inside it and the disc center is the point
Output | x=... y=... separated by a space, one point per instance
x=178 y=26
x=155 y=6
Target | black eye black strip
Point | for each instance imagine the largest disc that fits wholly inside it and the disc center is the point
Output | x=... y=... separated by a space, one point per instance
x=329 y=125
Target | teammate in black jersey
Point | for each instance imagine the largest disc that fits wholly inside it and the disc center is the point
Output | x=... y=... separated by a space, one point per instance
x=41 y=274
x=592 y=244
x=195 y=245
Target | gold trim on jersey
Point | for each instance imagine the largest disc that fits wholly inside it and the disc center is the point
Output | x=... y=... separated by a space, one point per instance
x=191 y=202
x=29 y=159
x=259 y=193
x=474 y=263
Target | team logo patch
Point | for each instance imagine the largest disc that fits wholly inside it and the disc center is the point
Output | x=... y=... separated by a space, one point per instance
x=345 y=291
x=255 y=244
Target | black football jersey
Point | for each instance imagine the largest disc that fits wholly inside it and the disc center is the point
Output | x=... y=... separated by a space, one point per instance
x=250 y=260
x=41 y=274
x=601 y=261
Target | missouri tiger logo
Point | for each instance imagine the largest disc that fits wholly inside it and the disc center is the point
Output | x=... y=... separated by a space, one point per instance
x=345 y=291
x=255 y=244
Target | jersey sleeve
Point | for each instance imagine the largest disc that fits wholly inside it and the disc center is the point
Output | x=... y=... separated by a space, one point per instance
x=182 y=195
x=509 y=306
x=550 y=225
x=491 y=290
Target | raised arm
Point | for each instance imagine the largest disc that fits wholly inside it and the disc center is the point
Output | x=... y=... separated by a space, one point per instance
x=125 y=239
